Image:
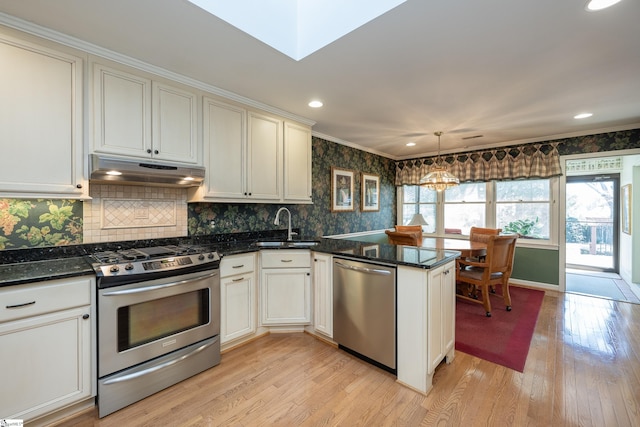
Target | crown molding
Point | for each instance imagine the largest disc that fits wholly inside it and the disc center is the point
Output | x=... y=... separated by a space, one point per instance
x=352 y=145
x=90 y=48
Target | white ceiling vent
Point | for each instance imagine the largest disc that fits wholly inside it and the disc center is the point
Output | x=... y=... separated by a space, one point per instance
x=297 y=28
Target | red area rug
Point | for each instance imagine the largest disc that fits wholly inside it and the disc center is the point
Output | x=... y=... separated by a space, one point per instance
x=505 y=337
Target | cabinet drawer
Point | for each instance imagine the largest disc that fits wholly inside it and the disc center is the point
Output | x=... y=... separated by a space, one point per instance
x=288 y=258
x=237 y=264
x=44 y=297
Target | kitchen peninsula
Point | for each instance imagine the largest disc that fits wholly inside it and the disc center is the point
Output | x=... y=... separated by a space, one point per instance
x=425 y=287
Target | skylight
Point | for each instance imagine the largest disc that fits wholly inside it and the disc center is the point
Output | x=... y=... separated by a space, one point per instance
x=297 y=28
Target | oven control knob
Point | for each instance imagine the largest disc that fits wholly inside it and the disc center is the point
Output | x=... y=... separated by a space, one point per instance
x=114 y=269
x=201 y=257
x=128 y=266
x=211 y=256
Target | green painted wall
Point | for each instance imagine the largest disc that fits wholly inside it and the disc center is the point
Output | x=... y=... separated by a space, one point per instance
x=537 y=265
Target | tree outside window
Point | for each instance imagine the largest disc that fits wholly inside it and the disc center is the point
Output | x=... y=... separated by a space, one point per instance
x=523 y=207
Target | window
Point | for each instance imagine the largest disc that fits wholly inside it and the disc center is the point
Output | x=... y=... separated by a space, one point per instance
x=416 y=199
x=465 y=207
x=524 y=207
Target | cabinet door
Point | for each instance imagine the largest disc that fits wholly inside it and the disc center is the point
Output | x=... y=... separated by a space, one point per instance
x=323 y=294
x=175 y=124
x=41 y=116
x=238 y=307
x=285 y=296
x=297 y=163
x=122 y=113
x=449 y=307
x=435 y=346
x=441 y=314
x=264 y=167
x=47 y=361
x=225 y=150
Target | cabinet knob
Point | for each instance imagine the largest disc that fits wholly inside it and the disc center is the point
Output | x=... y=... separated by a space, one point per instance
x=156 y=152
x=149 y=150
x=78 y=185
x=85 y=316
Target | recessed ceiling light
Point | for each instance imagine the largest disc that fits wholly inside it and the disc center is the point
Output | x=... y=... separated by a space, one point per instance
x=582 y=115
x=595 y=5
x=316 y=104
x=411 y=144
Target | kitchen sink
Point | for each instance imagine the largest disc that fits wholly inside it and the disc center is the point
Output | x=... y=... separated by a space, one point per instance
x=289 y=244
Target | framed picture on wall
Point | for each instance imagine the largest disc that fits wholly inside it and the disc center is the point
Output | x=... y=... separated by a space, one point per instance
x=341 y=190
x=370 y=199
x=625 y=198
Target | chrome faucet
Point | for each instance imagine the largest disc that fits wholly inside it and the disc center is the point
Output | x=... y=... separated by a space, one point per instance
x=277 y=222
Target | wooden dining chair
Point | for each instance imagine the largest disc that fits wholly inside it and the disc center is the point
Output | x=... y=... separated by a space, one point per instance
x=410 y=235
x=480 y=234
x=496 y=269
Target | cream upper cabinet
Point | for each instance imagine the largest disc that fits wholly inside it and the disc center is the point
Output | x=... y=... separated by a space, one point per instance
x=41 y=105
x=137 y=117
x=253 y=157
x=175 y=124
x=224 y=135
x=264 y=162
x=297 y=163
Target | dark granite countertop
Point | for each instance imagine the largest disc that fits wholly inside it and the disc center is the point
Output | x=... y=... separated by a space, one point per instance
x=43 y=270
x=24 y=266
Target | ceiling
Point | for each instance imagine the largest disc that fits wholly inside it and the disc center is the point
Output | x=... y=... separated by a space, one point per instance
x=510 y=71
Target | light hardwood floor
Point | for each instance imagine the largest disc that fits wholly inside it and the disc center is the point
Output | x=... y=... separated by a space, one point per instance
x=583 y=369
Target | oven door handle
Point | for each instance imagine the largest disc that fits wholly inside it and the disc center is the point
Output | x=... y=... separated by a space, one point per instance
x=157 y=367
x=156 y=287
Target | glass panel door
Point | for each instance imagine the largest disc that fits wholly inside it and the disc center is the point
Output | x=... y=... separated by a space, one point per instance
x=592 y=222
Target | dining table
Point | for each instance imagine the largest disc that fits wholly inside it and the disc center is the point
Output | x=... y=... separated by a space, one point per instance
x=467 y=248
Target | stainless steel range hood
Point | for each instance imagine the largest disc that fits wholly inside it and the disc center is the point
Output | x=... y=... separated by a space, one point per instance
x=117 y=171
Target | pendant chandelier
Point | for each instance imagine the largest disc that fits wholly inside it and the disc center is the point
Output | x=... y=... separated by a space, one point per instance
x=439 y=178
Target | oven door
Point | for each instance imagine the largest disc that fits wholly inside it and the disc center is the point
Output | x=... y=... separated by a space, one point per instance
x=141 y=321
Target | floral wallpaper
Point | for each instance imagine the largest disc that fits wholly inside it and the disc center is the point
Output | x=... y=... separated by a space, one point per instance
x=28 y=223
x=316 y=219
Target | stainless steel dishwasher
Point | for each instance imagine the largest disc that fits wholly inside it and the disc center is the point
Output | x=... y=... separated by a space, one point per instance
x=364 y=310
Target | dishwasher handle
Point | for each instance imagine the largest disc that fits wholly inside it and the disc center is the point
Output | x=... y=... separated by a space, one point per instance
x=363 y=269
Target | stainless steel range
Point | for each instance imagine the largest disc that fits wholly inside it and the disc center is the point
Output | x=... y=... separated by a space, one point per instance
x=158 y=320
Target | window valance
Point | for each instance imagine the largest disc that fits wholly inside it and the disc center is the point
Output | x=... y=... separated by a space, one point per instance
x=524 y=161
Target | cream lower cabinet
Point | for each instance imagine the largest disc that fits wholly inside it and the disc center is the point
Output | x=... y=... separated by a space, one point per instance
x=440 y=314
x=46 y=361
x=285 y=287
x=41 y=117
x=238 y=297
x=322 y=293
x=426 y=322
